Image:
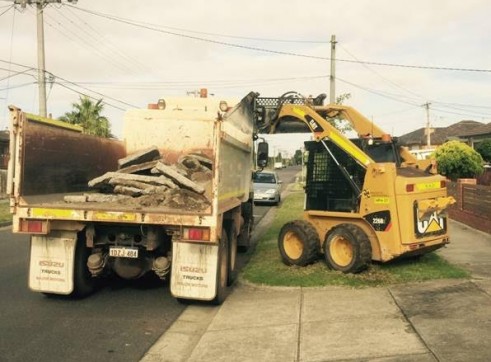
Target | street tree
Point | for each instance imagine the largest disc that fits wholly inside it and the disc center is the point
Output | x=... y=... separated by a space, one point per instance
x=458 y=160
x=88 y=115
x=297 y=157
x=341 y=124
x=484 y=149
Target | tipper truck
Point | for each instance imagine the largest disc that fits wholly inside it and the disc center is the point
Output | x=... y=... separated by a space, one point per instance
x=186 y=231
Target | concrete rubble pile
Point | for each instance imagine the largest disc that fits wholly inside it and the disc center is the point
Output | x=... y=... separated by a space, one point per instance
x=143 y=179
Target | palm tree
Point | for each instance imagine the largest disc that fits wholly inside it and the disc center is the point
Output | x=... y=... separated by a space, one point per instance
x=87 y=114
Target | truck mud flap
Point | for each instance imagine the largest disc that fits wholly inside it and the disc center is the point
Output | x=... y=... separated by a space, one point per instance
x=51 y=263
x=194 y=271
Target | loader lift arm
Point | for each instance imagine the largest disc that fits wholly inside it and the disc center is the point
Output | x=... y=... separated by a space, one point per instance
x=279 y=115
x=282 y=115
x=293 y=112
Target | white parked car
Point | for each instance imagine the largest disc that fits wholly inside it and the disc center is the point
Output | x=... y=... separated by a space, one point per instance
x=267 y=187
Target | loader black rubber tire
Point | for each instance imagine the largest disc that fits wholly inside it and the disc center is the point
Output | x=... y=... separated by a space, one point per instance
x=222 y=270
x=299 y=243
x=347 y=249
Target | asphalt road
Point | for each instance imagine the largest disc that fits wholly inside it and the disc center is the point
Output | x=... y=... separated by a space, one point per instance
x=287 y=176
x=120 y=322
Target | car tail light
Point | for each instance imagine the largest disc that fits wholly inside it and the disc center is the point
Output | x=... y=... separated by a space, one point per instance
x=443 y=184
x=410 y=188
x=201 y=234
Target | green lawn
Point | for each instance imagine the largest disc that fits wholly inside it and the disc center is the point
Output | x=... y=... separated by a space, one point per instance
x=266 y=267
x=5 y=214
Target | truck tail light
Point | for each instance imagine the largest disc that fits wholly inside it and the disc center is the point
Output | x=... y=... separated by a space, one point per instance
x=443 y=184
x=33 y=226
x=202 y=234
x=410 y=188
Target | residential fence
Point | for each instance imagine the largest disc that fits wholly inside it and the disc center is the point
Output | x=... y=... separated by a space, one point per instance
x=473 y=206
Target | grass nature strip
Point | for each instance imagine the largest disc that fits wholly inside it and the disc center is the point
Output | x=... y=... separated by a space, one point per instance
x=266 y=267
x=5 y=215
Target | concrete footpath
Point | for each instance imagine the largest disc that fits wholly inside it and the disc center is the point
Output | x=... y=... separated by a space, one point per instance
x=446 y=320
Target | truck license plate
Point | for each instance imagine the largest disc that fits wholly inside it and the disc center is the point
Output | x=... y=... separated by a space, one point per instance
x=119 y=252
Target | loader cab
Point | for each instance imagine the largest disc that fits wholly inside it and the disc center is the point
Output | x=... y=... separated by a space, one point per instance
x=379 y=150
x=327 y=189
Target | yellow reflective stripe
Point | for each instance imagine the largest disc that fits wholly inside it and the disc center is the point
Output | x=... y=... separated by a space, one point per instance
x=114 y=216
x=228 y=195
x=348 y=147
x=56 y=213
x=428 y=186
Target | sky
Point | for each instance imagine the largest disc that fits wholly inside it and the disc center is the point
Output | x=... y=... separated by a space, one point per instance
x=392 y=56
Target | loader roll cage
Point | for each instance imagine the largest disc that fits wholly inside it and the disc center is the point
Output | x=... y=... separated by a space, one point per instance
x=294 y=113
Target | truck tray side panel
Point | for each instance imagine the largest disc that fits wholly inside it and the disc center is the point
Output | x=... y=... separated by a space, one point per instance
x=59 y=160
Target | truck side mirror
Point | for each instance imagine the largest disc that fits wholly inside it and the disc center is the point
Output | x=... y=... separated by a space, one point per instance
x=262 y=154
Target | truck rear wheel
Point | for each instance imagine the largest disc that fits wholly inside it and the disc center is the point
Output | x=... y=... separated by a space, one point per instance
x=232 y=252
x=347 y=249
x=83 y=282
x=244 y=240
x=222 y=270
x=299 y=243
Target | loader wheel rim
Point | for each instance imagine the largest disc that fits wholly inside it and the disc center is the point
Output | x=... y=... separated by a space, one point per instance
x=293 y=245
x=341 y=251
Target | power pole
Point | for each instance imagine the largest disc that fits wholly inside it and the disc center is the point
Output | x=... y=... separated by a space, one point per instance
x=332 y=77
x=428 y=129
x=40 y=5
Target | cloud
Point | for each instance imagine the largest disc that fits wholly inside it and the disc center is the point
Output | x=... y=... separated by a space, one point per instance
x=138 y=65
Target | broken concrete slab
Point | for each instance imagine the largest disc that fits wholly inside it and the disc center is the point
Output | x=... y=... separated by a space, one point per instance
x=185 y=199
x=127 y=190
x=146 y=166
x=205 y=161
x=97 y=197
x=104 y=179
x=152 y=190
x=201 y=177
x=115 y=181
x=191 y=164
x=148 y=154
x=75 y=198
x=177 y=177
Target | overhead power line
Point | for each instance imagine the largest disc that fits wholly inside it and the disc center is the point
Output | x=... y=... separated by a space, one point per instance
x=417 y=105
x=264 y=50
x=8 y=8
x=74 y=84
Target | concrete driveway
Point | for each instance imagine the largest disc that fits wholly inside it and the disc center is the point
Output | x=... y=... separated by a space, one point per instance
x=445 y=320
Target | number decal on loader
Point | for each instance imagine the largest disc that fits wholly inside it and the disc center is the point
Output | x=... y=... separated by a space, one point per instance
x=379 y=220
